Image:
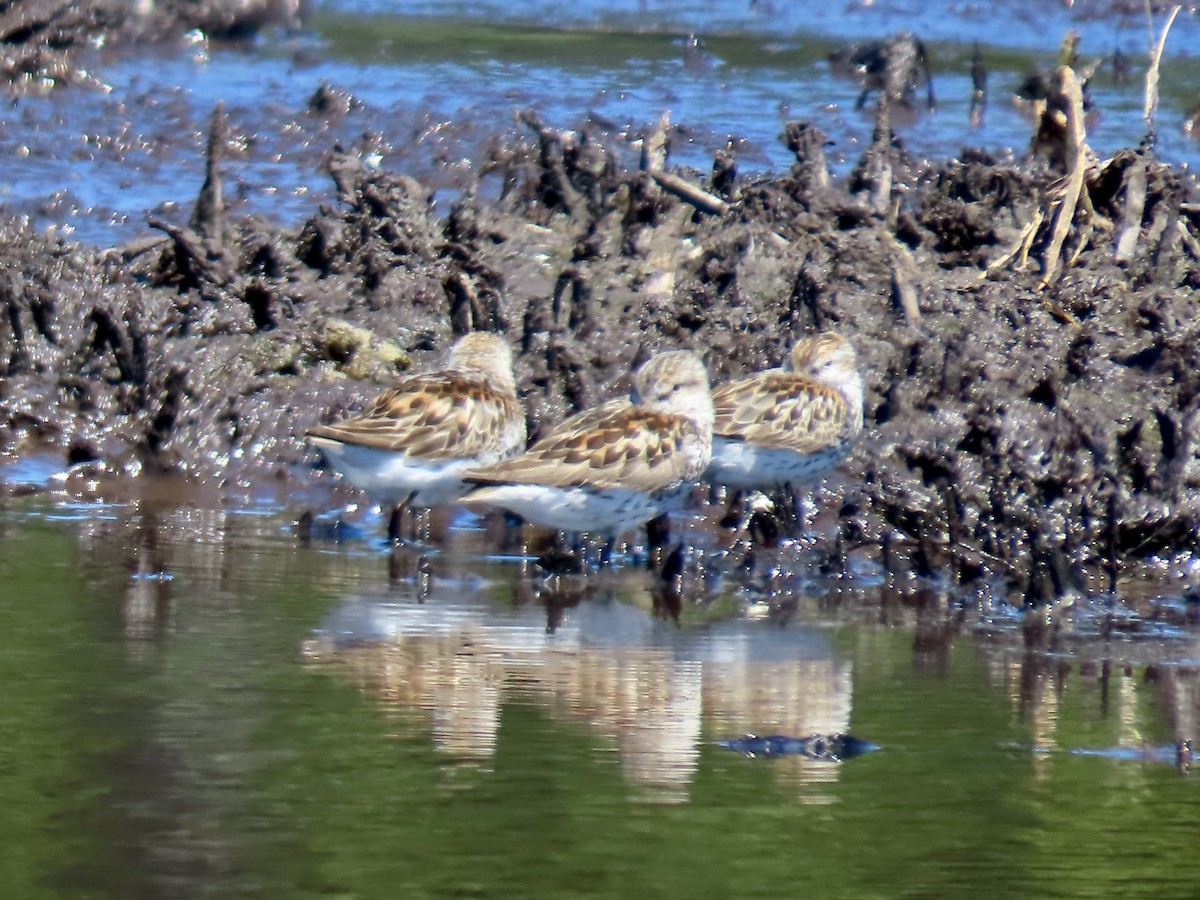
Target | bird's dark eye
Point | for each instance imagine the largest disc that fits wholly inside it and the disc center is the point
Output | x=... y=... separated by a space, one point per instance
x=675 y=388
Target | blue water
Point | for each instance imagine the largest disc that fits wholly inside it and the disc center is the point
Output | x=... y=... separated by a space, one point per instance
x=437 y=82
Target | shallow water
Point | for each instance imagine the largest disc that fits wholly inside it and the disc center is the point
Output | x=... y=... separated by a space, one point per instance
x=198 y=703
x=437 y=82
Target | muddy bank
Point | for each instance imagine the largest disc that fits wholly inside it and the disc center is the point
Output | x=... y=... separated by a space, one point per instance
x=41 y=40
x=1028 y=333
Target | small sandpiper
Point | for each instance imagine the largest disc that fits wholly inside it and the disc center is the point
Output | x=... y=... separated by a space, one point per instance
x=609 y=469
x=412 y=446
x=783 y=427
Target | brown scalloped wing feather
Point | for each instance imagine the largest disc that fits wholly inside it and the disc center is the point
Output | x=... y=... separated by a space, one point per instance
x=585 y=420
x=781 y=410
x=619 y=447
x=435 y=416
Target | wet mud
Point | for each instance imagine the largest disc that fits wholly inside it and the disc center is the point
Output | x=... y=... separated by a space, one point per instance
x=1028 y=332
x=39 y=38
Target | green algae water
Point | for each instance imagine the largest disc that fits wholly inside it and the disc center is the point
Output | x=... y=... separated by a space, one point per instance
x=198 y=704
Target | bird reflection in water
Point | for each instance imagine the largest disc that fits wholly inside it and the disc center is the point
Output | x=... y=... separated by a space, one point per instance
x=607 y=649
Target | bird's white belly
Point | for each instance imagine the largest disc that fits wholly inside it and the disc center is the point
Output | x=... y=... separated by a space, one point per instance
x=738 y=464
x=612 y=510
x=394 y=477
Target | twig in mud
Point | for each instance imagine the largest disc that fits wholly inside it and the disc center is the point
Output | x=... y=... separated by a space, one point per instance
x=1021 y=248
x=654 y=161
x=1131 y=216
x=904 y=280
x=872 y=176
x=697 y=197
x=554 y=168
x=905 y=290
x=654 y=145
x=1162 y=218
x=1079 y=155
x=1062 y=118
x=197 y=261
x=1026 y=243
x=472 y=309
x=724 y=172
x=1189 y=240
x=808 y=142
x=208 y=218
x=882 y=143
x=136 y=248
x=1150 y=109
x=1148 y=8
x=1086 y=229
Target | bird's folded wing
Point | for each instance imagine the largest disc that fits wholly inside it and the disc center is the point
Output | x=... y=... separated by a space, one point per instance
x=435 y=416
x=615 y=446
x=779 y=410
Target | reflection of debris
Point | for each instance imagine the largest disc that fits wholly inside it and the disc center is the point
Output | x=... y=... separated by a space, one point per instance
x=831 y=747
x=1117 y=679
x=1179 y=755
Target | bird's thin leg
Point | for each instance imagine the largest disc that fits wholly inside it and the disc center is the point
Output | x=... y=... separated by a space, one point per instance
x=395 y=570
x=395 y=530
x=734 y=511
x=396 y=519
x=797 y=521
x=563 y=555
x=658 y=538
x=673 y=565
x=658 y=532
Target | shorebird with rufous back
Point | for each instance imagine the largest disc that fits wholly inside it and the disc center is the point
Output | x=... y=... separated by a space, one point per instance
x=413 y=444
x=609 y=469
x=785 y=427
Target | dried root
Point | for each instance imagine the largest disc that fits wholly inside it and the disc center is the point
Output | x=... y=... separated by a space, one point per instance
x=1082 y=205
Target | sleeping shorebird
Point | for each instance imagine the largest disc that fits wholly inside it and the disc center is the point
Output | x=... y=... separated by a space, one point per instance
x=614 y=467
x=784 y=427
x=412 y=446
